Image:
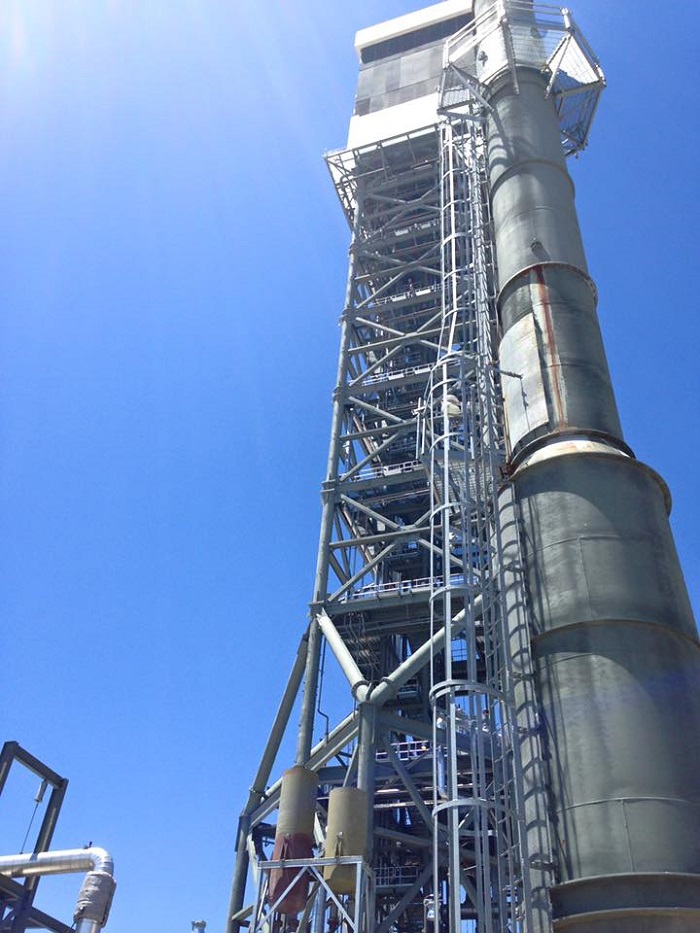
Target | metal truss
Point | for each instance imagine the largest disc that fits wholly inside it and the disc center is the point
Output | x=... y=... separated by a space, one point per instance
x=325 y=910
x=373 y=589
x=409 y=584
x=376 y=562
x=384 y=566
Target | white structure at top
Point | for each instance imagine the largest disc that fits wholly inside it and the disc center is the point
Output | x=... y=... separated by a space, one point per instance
x=410 y=22
x=414 y=69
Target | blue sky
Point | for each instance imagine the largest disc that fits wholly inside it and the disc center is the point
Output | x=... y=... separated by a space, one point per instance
x=172 y=269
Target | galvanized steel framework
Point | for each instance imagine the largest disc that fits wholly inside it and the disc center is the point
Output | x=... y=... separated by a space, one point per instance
x=409 y=539
x=477 y=789
x=447 y=539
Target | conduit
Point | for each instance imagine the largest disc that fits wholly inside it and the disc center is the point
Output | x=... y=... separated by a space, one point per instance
x=97 y=891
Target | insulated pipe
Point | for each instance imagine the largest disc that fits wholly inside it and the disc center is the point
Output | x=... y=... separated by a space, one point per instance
x=346 y=834
x=257 y=790
x=293 y=839
x=615 y=650
x=97 y=891
x=61 y=862
x=343 y=656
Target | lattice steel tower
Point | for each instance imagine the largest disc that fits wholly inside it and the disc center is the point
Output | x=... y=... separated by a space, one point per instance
x=496 y=577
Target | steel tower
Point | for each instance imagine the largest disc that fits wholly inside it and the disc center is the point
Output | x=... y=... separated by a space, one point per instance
x=496 y=576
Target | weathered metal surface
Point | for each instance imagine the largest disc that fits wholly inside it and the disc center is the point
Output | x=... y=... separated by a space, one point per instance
x=598 y=546
x=566 y=357
x=346 y=834
x=533 y=196
x=615 y=651
x=672 y=897
x=543 y=272
x=611 y=815
x=523 y=386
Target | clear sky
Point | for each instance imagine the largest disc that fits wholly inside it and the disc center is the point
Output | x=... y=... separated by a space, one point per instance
x=172 y=270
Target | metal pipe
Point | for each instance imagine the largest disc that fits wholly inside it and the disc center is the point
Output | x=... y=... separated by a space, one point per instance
x=87 y=926
x=388 y=687
x=257 y=790
x=279 y=725
x=61 y=862
x=240 y=874
x=321 y=582
x=323 y=751
x=95 y=897
x=358 y=683
x=308 y=703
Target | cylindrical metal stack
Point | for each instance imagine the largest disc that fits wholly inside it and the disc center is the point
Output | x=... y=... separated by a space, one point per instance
x=616 y=656
x=346 y=835
x=293 y=839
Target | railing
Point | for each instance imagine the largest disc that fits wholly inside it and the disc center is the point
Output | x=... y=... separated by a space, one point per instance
x=396 y=876
x=396 y=375
x=406 y=751
x=406 y=587
x=390 y=469
x=537 y=36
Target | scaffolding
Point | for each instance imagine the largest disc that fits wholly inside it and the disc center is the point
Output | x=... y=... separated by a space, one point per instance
x=408 y=567
x=419 y=544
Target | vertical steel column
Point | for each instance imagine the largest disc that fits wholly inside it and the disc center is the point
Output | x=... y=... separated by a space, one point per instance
x=366 y=765
x=257 y=790
x=614 y=642
x=308 y=711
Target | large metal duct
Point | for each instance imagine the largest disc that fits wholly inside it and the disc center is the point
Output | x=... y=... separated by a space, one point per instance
x=615 y=650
